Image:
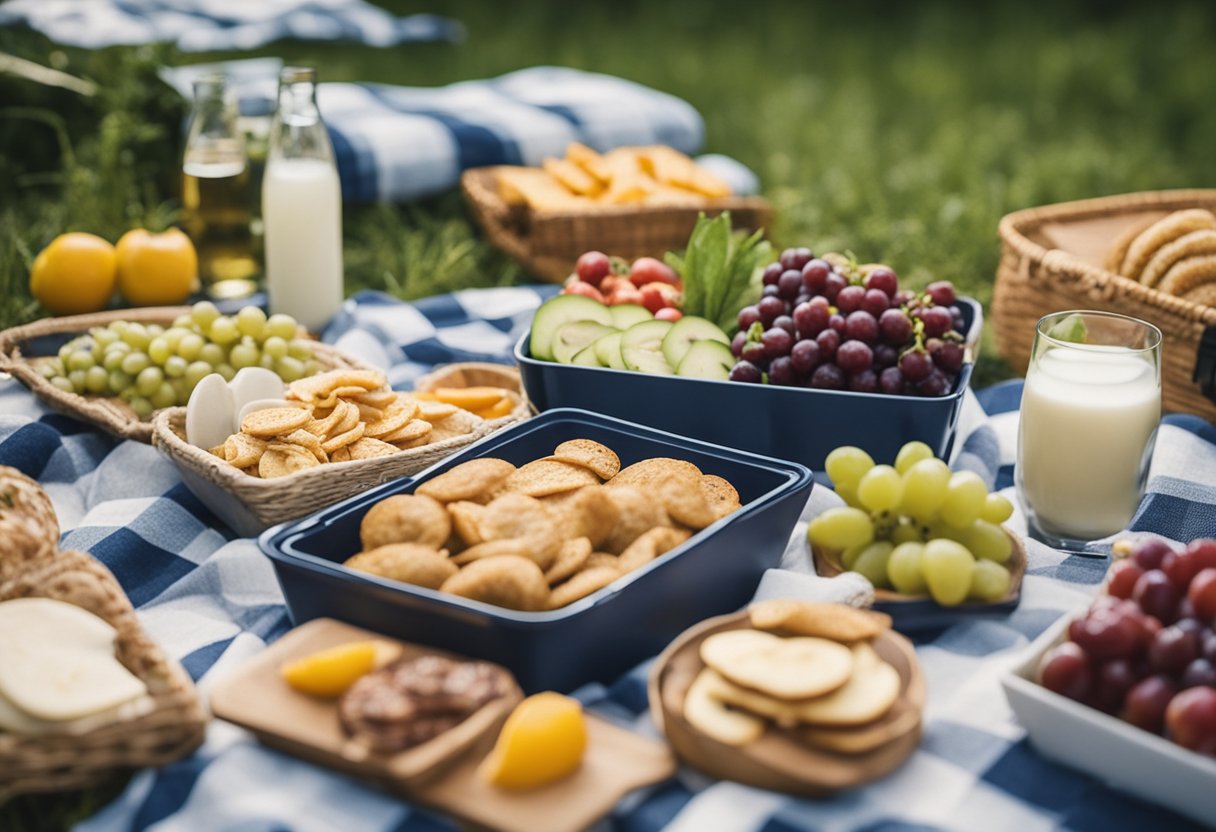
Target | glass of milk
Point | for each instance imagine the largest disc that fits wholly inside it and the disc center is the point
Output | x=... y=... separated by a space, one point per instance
x=1089 y=416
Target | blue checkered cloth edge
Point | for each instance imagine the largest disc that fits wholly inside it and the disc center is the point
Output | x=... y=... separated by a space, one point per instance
x=211 y=600
x=395 y=143
x=222 y=25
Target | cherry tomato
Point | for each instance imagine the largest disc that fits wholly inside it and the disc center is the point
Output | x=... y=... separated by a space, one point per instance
x=649 y=270
x=592 y=267
x=668 y=313
x=578 y=287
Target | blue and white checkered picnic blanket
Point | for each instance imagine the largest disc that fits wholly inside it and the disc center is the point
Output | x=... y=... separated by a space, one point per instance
x=212 y=601
x=397 y=143
x=222 y=25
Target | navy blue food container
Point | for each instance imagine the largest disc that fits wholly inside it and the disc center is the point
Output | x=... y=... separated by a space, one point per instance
x=594 y=639
x=793 y=423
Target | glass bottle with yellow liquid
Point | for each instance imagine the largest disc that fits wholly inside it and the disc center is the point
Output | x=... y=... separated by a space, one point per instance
x=216 y=194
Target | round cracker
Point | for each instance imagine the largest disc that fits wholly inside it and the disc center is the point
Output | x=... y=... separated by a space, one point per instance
x=344 y=440
x=405 y=518
x=392 y=420
x=650 y=545
x=720 y=495
x=493 y=549
x=467 y=481
x=599 y=459
x=519 y=517
x=275 y=421
x=644 y=472
x=243 y=450
x=543 y=477
x=411 y=431
x=1189 y=273
x=466 y=521
x=637 y=513
x=506 y=581
x=1161 y=233
x=1205 y=294
x=581 y=585
x=1188 y=245
x=410 y=563
x=368 y=448
x=792 y=669
x=280 y=460
x=1114 y=260
x=570 y=559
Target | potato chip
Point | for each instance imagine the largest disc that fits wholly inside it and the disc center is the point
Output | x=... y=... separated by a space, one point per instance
x=367 y=448
x=308 y=442
x=275 y=421
x=435 y=411
x=379 y=399
x=649 y=545
x=411 y=563
x=543 y=477
x=410 y=431
x=570 y=559
x=509 y=581
x=642 y=473
x=282 y=460
x=589 y=160
x=319 y=386
x=637 y=513
x=519 y=517
x=448 y=429
x=598 y=560
x=221 y=451
x=572 y=176
x=599 y=459
x=581 y=585
x=589 y=512
x=538 y=190
x=468 y=480
x=493 y=549
x=391 y=421
x=466 y=521
x=367 y=413
x=341 y=455
x=721 y=496
x=335 y=422
x=405 y=518
x=343 y=440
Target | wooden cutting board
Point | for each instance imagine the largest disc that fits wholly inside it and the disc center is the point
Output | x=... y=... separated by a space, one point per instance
x=443 y=772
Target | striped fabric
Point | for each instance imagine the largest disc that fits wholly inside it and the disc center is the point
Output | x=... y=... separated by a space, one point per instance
x=212 y=601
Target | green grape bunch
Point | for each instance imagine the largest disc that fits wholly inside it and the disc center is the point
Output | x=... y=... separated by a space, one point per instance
x=150 y=366
x=916 y=526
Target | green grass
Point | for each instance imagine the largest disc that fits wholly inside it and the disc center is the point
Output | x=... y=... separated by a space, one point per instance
x=902 y=132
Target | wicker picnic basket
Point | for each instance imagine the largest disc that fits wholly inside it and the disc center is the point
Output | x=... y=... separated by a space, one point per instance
x=1051 y=260
x=481 y=374
x=548 y=244
x=171 y=727
x=24 y=348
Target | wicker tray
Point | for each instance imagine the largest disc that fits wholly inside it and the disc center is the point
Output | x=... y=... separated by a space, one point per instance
x=171 y=729
x=21 y=357
x=1052 y=260
x=481 y=374
x=548 y=244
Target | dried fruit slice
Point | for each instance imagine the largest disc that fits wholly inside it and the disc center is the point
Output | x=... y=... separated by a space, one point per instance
x=542 y=741
x=328 y=673
x=708 y=713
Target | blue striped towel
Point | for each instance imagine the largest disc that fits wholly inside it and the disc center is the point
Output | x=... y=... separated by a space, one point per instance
x=399 y=143
x=222 y=25
x=212 y=601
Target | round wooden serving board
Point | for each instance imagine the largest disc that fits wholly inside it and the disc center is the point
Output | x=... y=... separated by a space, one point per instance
x=781 y=760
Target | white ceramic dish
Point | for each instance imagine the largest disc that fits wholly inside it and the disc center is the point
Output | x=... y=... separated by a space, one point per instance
x=1133 y=760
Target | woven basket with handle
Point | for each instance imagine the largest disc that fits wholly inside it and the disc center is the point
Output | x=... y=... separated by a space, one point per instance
x=1051 y=260
x=21 y=357
x=548 y=244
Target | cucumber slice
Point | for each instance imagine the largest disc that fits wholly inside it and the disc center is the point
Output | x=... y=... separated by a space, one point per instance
x=575 y=336
x=641 y=347
x=586 y=358
x=608 y=351
x=562 y=310
x=707 y=359
x=686 y=332
x=628 y=314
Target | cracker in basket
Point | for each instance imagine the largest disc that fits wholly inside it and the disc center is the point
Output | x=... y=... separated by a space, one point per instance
x=411 y=563
x=467 y=481
x=435 y=411
x=1161 y=233
x=342 y=418
x=543 y=477
x=275 y=421
x=599 y=459
x=1189 y=274
x=409 y=432
x=390 y=421
x=344 y=440
x=367 y=413
x=1195 y=244
x=367 y=448
x=379 y=399
x=581 y=585
x=509 y=581
x=243 y=450
x=405 y=518
x=341 y=455
x=281 y=460
x=308 y=442
x=321 y=385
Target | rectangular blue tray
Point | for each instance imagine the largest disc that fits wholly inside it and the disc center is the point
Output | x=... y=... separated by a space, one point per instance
x=594 y=639
x=794 y=423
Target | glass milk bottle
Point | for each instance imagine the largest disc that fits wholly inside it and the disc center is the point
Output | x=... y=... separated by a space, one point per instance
x=216 y=193
x=302 y=207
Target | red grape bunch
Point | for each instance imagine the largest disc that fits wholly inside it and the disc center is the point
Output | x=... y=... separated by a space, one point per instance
x=830 y=324
x=1145 y=651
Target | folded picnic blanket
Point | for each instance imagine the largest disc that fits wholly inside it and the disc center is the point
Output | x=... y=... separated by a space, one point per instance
x=212 y=601
x=400 y=143
x=222 y=25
